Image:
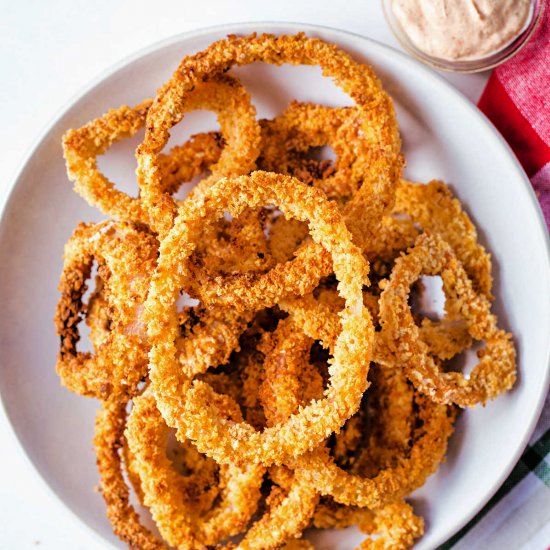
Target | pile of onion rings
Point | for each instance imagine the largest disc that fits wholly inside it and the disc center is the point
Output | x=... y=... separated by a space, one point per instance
x=299 y=385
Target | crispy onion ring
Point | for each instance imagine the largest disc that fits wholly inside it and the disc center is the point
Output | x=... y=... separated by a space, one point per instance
x=437 y=210
x=496 y=370
x=286 y=140
x=108 y=441
x=222 y=439
x=359 y=81
x=199 y=477
x=392 y=483
x=171 y=506
x=126 y=257
x=433 y=207
x=223 y=95
x=387 y=417
x=303 y=126
x=81 y=148
x=396 y=525
x=283 y=391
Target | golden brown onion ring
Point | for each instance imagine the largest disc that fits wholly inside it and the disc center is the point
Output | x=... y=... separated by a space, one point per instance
x=392 y=483
x=222 y=439
x=285 y=142
x=81 y=148
x=285 y=388
x=239 y=129
x=126 y=257
x=397 y=528
x=432 y=207
x=199 y=477
x=496 y=369
x=359 y=81
x=164 y=493
x=108 y=442
x=396 y=525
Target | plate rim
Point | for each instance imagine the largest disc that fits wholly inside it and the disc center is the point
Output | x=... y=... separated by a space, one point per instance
x=285 y=27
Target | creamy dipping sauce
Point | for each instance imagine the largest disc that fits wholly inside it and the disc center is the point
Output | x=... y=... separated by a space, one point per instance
x=461 y=29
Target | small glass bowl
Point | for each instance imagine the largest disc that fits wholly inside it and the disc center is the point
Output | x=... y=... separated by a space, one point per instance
x=484 y=63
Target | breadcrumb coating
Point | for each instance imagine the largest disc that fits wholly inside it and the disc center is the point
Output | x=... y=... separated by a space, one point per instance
x=304 y=388
x=496 y=369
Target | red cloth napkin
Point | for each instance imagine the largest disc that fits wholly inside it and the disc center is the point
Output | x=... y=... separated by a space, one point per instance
x=517 y=100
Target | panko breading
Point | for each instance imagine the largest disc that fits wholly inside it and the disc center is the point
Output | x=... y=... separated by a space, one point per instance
x=299 y=385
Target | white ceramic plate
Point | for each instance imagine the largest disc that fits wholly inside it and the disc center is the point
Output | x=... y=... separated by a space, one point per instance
x=444 y=136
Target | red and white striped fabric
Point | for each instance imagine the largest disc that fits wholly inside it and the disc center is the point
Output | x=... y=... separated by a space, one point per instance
x=517 y=100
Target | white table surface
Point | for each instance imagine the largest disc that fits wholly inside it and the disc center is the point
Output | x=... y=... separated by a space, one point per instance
x=49 y=50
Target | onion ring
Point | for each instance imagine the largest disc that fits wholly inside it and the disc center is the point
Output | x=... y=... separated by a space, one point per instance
x=359 y=81
x=437 y=210
x=82 y=146
x=223 y=95
x=282 y=392
x=163 y=493
x=108 y=440
x=229 y=441
x=199 y=479
x=392 y=483
x=126 y=257
x=397 y=526
x=302 y=126
x=433 y=207
x=496 y=370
